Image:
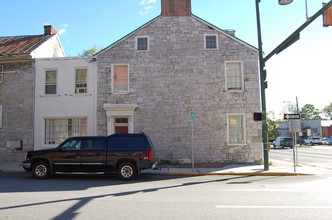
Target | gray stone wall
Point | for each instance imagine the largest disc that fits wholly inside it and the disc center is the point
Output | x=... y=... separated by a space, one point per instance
x=177 y=76
x=16 y=98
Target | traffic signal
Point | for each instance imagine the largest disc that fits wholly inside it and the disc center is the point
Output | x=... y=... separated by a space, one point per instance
x=257 y=116
x=327 y=17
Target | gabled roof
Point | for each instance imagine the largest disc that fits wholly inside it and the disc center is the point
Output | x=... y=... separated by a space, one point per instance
x=20 y=45
x=193 y=16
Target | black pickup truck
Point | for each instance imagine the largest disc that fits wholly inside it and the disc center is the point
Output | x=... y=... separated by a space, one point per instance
x=124 y=154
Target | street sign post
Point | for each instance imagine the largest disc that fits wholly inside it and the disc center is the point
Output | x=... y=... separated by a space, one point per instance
x=192 y=117
x=294 y=124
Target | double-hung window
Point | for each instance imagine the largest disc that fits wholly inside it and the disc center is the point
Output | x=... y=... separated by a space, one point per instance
x=211 y=41
x=234 y=75
x=81 y=81
x=59 y=129
x=236 y=129
x=1 y=73
x=50 y=82
x=120 y=78
x=142 y=43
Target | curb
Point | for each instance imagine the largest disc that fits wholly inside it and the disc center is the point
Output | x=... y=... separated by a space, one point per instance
x=224 y=173
x=237 y=173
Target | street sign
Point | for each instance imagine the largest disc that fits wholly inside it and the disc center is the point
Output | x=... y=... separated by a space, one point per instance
x=192 y=116
x=291 y=116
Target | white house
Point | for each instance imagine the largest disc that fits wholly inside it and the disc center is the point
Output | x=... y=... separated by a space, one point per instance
x=65 y=100
x=17 y=74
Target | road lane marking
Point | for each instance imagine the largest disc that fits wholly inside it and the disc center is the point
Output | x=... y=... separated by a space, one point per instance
x=270 y=207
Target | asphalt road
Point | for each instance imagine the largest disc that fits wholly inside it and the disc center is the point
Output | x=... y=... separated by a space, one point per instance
x=320 y=156
x=166 y=197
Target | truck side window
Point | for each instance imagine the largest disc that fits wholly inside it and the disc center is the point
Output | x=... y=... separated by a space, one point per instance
x=71 y=145
x=137 y=143
x=94 y=144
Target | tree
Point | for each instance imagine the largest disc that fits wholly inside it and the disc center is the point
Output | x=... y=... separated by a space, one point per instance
x=289 y=108
x=309 y=111
x=327 y=111
x=273 y=125
x=89 y=52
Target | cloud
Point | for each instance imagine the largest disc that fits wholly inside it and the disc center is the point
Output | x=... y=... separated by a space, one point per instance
x=63 y=29
x=147 y=6
x=147 y=2
x=146 y=10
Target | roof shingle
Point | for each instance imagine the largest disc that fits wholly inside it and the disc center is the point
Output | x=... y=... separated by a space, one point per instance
x=21 y=44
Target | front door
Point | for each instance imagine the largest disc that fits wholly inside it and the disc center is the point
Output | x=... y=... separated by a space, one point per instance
x=121 y=129
x=121 y=125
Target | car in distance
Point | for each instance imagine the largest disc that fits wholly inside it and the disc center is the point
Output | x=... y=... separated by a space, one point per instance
x=325 y=141
x=312 y=140
x=283 y=142
x=124 y=154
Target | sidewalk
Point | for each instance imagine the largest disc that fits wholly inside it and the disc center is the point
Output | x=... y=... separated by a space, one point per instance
x=278 y=168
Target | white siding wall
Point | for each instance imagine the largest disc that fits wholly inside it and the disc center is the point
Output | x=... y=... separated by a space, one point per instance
x=65 y=104
x=51 y=48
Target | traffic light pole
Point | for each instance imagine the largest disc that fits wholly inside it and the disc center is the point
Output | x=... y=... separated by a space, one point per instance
x=262 y=72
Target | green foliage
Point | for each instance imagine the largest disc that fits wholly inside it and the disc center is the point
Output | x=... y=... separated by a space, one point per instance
x=309 y=111
x=327 y=111
x=272 y=126
x=89 y=52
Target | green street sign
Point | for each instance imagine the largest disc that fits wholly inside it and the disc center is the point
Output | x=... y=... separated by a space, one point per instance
x=192 y=116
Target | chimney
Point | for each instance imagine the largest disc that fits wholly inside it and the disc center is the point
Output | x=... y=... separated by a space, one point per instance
x=49 y=30
x=174 y=8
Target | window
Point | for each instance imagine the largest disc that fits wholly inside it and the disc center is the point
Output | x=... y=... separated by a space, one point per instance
x=234 y=75
x=1 y=73
x=142 y=43
x=81 y=81
x=0 y=116
x=235 y=128
x=57 y=130
x=50 y=82
x=72 y=145
x=120 y=79
x=94 y=144
x=211 y=42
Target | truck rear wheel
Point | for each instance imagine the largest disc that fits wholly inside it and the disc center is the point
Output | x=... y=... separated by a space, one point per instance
x=127 y=171
x=41 y=170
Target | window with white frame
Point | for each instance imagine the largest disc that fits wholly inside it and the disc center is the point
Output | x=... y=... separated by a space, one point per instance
x=142 y=43
x=59 y=129
x=0 y=116
x=234 y=75
x=236 y=129
x=120 y=78
x=50 y=82
x=211 y=41
x=81 y=81
x=1 y=73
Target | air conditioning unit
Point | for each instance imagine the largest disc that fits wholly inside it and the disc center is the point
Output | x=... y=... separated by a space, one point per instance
x=80 y=90
x=14 y=145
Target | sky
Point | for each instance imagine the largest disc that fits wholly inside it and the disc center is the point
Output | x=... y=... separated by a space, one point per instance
x=303 y=70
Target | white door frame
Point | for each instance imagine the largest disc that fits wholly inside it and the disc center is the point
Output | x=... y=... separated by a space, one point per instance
x=117 y=111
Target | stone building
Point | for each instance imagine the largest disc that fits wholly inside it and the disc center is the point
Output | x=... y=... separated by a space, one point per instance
x=174 y=67
x=17 y=72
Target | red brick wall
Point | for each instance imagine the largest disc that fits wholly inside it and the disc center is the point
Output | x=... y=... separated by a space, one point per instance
x=172 y=8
